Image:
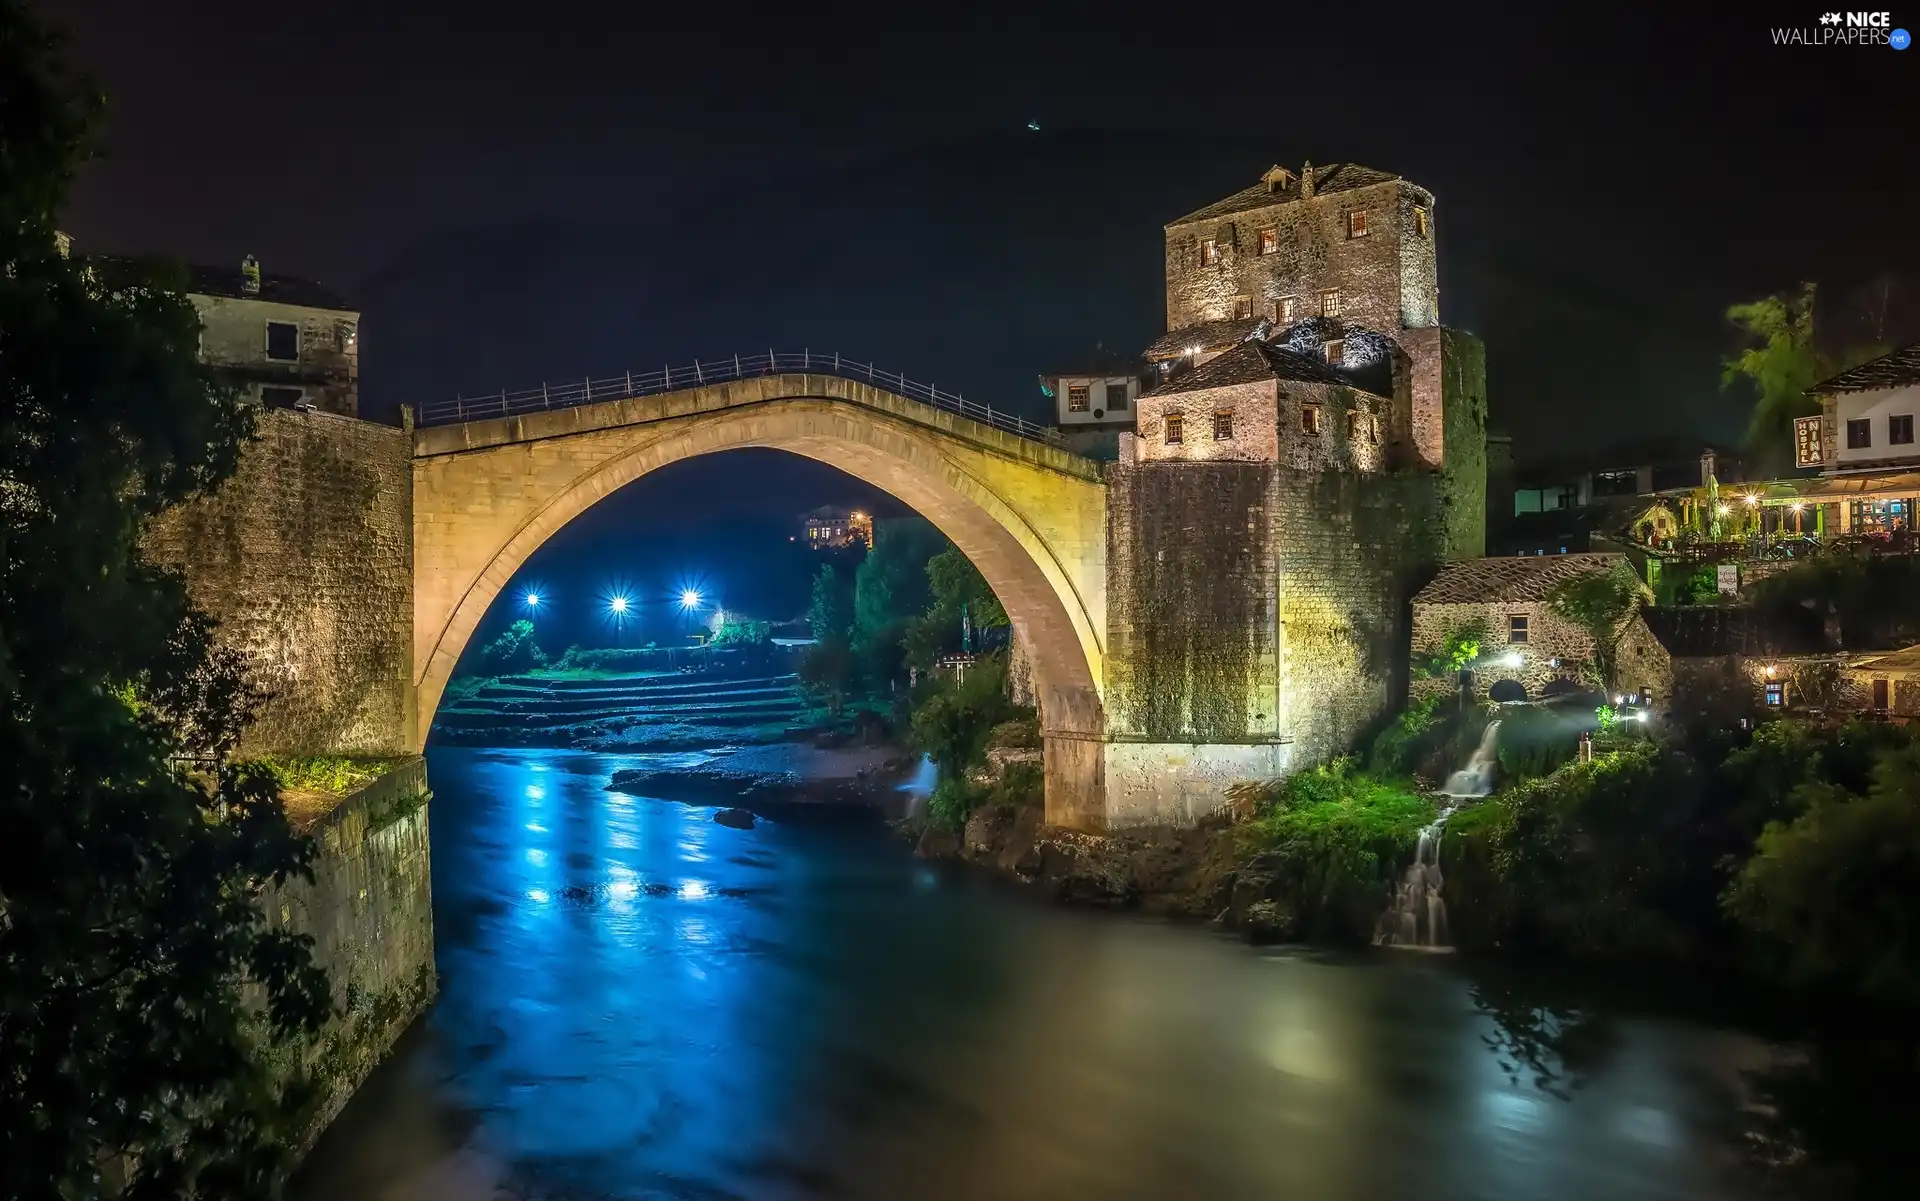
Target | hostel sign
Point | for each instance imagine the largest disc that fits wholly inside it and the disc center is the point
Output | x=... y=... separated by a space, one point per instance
x=1806 y=442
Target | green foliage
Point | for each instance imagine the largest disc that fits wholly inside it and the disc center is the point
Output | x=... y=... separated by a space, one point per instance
x=890 y=590
x=953 y=720
x=958 y=591
x=513 y=652
x=1592 y=860
x=394 y=809
x=138 y=977
x=1336 y=840
x=741 y=632
x=827 y=672
x=1601 y=603
x=1833 y=897
x=953 y=799
x=1535 y=740
x=337 y=774
x=1457 y=651
x=1409 y=740
x=1019 y=732
x=1022 y=785
x=1780 y=360
x=1684 y=584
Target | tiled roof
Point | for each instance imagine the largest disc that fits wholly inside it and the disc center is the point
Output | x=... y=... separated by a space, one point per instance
x=1895 y=370
x=1334 y=177
x=1510 y=578
x=1712 y=631
x=276 y=289
x=1207 y=335
x=1907 y=659
x=1248 y=363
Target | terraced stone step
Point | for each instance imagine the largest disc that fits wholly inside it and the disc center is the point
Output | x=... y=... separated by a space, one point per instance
x=643 y=682
x=469 y=719
x=536 y=704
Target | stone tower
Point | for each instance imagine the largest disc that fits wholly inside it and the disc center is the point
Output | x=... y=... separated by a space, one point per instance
x=1315 y=445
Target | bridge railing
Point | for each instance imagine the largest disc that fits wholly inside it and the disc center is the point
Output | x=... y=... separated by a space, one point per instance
x=668 y=379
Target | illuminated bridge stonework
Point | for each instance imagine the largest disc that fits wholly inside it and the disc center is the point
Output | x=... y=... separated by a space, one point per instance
x=1031 y=517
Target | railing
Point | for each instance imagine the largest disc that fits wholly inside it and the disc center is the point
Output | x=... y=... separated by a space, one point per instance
x=668 y=379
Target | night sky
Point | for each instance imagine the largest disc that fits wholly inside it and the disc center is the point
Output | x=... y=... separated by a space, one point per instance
x=546 y=191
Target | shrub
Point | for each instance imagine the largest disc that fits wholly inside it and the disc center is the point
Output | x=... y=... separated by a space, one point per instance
x=1832 y=898
x=1403 y=747
x=1021 y=733
x=952 y=719
x=1336 y=840
x=512 y=652
x=952 y=800
x=1021 y=785
x=336 y=774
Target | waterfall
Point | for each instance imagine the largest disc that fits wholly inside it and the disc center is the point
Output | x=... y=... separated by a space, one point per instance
x=1418 y=917
x=1475 y=780
x=919 y=786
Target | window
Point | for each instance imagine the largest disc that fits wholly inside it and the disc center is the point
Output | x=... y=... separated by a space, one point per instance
x=281 y=398
x=1422 y=223
x=1859 y=434
x=1077 y=398
x=1176 y=429
x=283 y=341
x=1330 y=303
x=1287 y=309
x=1900 y=430
x=1209 y=252
x=1373 y=430
x=1880 y=689
x=1223 y=425
x=1309 y=419
x=1336 y=349
x=1357 y=223
x=1269 y=240
x=1242 y=307
x=1353 y=426
x=1516 y=627
x=1776 y=692
x=1116 y=396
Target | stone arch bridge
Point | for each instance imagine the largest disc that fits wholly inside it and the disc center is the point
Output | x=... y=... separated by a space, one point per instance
x=494 y=478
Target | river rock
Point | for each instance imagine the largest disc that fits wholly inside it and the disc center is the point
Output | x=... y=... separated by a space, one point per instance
x=738 y=819
x=1267 y=921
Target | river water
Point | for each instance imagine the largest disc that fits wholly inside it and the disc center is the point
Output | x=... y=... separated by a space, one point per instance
x=638 y=1002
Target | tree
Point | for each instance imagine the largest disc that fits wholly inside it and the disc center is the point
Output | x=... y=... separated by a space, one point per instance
x=890 y=590
x=827 y=670
x=959 y=594
x=1601 y=603
x=513 y=651
x=129 y=914
x=954 y=720
x=1782 y=360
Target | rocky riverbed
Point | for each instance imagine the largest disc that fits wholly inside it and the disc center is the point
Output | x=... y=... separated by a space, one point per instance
x=784 y=780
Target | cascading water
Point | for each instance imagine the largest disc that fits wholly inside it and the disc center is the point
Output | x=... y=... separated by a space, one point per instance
x=1419 y=914
x=919 y=786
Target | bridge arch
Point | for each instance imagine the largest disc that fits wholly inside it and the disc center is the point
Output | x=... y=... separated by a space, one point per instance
x=1030 y=516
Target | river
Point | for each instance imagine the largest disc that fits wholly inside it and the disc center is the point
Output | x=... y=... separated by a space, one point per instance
x=638 y=1002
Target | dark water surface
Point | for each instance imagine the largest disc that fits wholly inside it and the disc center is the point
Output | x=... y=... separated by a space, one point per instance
x=637 y=1002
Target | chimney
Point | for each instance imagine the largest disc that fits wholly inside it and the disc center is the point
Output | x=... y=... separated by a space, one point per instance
x=250 y=275
x=1306 y=182
x=1709 y=466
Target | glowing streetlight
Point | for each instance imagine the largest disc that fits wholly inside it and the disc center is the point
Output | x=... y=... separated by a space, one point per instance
x=1510 y=659
x=533 y=600
x=690 y=599
x=617 y=606
x=1723 y=510
x=1752 y=499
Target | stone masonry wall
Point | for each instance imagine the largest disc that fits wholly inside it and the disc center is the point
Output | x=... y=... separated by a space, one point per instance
x=234 y=338
x=369 y=911
x=306 y=558
x=1190 y=594
x=1350 y=551
x=1550 y=638
x=1448 y=414
x=1379 y=286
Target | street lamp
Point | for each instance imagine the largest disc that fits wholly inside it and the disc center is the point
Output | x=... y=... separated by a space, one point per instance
x=617 y=606
x=690 y=599
x=533 y=600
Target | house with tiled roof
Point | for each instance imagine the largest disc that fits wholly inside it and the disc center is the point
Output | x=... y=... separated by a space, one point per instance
x=1864 y=443
x=1526 y=649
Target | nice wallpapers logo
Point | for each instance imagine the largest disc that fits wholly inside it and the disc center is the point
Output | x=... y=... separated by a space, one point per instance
x=1846 y=29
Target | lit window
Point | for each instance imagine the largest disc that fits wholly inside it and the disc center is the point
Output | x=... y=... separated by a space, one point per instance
x=1330 y=303
x=1223 y=426
x=1900 y=430
x=1336 y=349
x=1357 y=223
x=283 y=341
x=1517 y=627
x=1242 y=307
x=1309 y=419
x=1859 y=434
x=1176 y=429
x=1776 y=693
x=1077 y=398
x=1287 y=309
x=1269 y=240
x=1422 y=226
x=1209 y=252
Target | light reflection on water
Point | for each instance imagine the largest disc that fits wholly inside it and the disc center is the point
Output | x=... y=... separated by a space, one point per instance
x=638 y=1002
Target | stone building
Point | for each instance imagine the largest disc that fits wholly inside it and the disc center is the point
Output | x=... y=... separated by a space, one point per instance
x=830 y=528
x=1093 y=400
x=1315 y=445
x=1717 y=663
x=1524 y=644
x=289 y=342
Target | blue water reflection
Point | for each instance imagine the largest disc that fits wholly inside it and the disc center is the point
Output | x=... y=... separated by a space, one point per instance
x=638 y=1002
